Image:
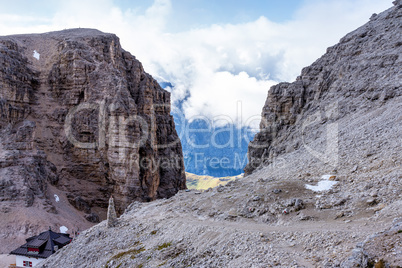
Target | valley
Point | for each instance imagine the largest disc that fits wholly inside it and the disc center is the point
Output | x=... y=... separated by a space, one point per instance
x=204 y=182
x=86 y=133
x=338 y=125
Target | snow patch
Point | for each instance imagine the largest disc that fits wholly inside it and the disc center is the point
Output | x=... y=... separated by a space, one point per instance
x=63 y=229
x=323 y=185
x=36 y=55
x=56 y=197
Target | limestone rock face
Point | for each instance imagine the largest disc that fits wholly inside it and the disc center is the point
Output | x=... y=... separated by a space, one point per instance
x=79 y=114
x=362 y=71
x=338 y=125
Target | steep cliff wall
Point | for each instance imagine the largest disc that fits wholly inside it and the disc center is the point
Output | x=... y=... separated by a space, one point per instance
x=362 y=71
x=79 y=114
x=338 y=125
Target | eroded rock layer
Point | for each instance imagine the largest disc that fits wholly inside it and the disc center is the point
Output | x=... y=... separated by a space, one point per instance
x=80 y=114
x=361 y=71
x=328 y=193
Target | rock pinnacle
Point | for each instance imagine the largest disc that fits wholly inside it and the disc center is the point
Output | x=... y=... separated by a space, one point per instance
x=111 y=214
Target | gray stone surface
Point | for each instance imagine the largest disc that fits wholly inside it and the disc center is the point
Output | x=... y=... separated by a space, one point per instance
x=111 y=214
x=360 y=73
x=85 y=119
x=354 y=91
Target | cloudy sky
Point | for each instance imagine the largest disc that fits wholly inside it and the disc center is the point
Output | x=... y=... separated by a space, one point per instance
x=221 y=55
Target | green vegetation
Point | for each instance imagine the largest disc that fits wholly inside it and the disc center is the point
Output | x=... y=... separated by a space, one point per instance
x=400 y=231
x=197 y=182
x=132 y=252
x=154 y=232
x=135 y=252
x=164 y=245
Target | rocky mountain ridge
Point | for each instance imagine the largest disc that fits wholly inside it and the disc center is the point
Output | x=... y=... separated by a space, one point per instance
x=80 y=119
x=324 y=184
x=330 y=198
x=362 y=71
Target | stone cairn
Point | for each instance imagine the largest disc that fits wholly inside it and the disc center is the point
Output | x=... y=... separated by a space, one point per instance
x=111 y=214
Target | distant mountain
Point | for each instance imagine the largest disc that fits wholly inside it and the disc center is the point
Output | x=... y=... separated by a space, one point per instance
x=216 y=151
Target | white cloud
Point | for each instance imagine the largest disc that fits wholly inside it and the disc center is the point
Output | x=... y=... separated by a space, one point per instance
x=220 y=64
x=223 y=94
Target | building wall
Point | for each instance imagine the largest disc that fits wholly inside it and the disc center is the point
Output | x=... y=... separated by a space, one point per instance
x=19 y=260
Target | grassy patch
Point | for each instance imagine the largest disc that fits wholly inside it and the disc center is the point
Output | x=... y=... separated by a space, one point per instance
x=400 y=231
x=132 y=252
x=201 y=182
x=138 y=251
x=164 y=245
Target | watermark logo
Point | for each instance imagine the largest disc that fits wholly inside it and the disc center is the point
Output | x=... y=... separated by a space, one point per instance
x=330 y=154
x=126 y=134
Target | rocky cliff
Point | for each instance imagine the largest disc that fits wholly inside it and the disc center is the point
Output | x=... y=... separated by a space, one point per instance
x=362 y=71
x=324 y=189
x=80 y=118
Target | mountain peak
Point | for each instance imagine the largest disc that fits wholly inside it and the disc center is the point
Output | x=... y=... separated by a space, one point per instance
x=80 y=119
x=66 y=33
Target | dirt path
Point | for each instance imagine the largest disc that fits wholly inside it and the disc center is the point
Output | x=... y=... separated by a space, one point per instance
x=307 y=226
